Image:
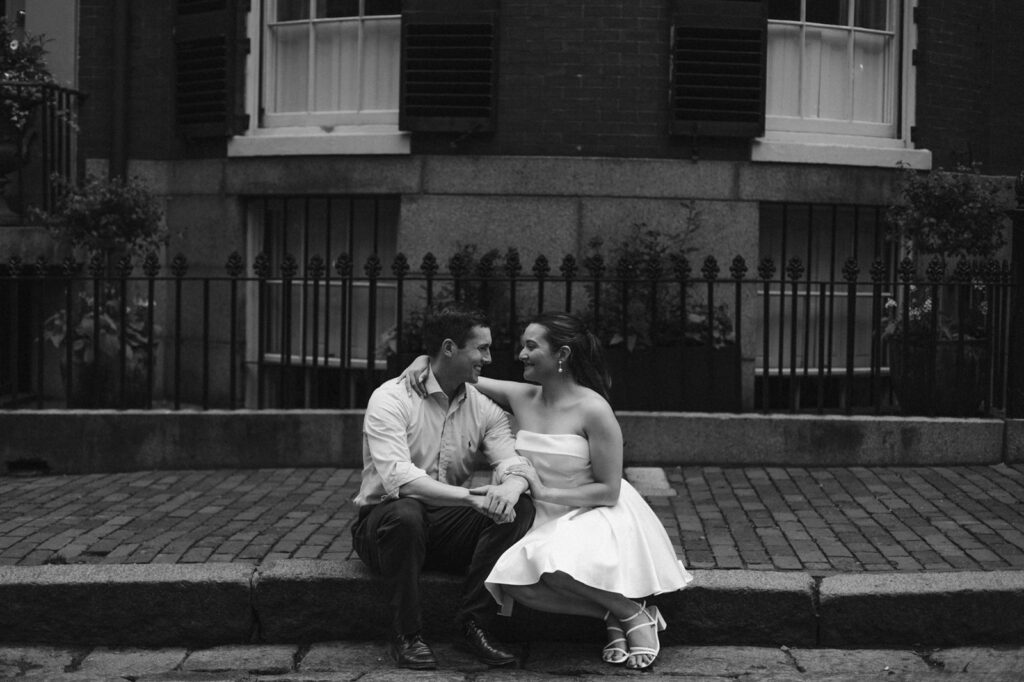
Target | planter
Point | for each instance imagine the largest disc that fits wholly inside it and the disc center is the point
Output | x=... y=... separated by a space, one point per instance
x=98 y=385
x=676 y=379
x=959 y=386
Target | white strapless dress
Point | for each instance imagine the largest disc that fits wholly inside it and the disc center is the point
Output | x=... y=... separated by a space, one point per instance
x=623 y=548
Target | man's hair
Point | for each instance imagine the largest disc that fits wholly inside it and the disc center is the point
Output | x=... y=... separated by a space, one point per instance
x=453 y=322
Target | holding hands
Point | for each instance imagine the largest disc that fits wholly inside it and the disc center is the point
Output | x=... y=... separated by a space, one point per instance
x=496 y=502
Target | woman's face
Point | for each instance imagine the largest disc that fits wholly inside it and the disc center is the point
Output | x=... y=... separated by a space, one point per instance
x=537 y=356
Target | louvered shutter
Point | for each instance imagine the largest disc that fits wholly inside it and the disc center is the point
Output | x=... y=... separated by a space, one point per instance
x=718 y=68
x=449 y=65
x=209 y=54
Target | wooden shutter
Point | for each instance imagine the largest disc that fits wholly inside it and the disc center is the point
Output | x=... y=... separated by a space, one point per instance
x=718 y=68
x=449 y=65
x=209 y=57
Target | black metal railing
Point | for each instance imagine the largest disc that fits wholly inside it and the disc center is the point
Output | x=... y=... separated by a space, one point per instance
x=880 y=339
x=47 y=140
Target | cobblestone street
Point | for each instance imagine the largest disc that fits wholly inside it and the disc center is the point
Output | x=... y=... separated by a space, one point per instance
x=815 y=520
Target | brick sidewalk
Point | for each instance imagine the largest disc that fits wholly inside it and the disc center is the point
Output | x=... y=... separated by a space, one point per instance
x=816 y=520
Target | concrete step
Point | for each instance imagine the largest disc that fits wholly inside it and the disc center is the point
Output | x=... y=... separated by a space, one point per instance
x=296 y=601
x=88 y=442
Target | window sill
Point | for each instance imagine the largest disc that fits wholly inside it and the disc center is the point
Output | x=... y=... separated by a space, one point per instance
x=319 y=141
x=776 y=147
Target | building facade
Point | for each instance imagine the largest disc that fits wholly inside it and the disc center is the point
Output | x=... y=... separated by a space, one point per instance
x=314 y=127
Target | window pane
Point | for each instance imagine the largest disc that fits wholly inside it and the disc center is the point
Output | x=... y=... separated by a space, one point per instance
x=290 y=68
x=872 y=14
x=783 y=97
x=337 y=8
x=378 y=7
x=828 y=12
x=786 y=10
x=380 y=64
x=826 y=74
x=292 y=10
x=871 y=80
x=337 y=66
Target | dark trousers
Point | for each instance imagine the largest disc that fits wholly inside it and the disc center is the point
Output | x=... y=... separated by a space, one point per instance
x=400 y=538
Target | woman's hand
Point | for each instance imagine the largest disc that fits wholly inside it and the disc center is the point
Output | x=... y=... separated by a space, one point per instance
x=415 y=375
x=530 y=474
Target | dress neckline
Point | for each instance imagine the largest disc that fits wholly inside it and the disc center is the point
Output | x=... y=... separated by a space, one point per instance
x=538 y=433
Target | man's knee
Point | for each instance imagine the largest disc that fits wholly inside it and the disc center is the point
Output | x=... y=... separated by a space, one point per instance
x=402 y=517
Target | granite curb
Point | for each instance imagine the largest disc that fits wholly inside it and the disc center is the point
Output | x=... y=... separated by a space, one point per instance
x=289 y=601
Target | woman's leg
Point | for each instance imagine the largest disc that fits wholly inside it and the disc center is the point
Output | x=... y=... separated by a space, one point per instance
x=540 y=597
x=628 y=612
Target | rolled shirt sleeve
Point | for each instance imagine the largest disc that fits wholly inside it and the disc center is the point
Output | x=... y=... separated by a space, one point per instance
x=384 y=429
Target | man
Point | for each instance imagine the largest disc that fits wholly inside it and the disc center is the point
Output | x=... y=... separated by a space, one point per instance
x=415 y=512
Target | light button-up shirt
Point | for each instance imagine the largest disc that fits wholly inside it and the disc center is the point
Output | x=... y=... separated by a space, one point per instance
x=406 y=437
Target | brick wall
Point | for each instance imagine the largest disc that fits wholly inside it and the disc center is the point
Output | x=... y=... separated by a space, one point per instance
x=1006 y=121
x=591 y=79
x=150 y=130
x=969 y=98
x=580 y=79
x=95 y=72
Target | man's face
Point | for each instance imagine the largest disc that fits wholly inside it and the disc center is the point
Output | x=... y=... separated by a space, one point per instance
x=468 y=361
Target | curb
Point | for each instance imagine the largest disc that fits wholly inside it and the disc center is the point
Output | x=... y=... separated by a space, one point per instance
x=86 y=442
x=294 y=601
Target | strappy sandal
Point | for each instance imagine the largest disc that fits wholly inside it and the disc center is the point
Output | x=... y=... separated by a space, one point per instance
x=654 y=619
x=614 y=651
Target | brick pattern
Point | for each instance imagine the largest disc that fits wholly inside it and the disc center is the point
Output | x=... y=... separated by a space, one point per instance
x=177 y=517
x=850 y=519
x=769 y=518
x=968 y=92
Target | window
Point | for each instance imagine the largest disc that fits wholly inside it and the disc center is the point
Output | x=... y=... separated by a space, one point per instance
x=809 y=332
x=330 y=62
x=322 y=77
x=313 y=334
x=833 y=66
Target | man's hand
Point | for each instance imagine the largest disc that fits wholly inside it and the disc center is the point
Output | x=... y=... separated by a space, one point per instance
x=496 y=502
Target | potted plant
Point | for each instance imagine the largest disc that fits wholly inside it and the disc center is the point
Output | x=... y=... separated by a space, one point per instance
x=474 y=283
x=23 y=75
x=106 y=220
x=665 y=352
x=937 y=328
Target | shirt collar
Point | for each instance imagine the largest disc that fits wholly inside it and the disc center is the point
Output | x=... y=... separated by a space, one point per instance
x=434 y=388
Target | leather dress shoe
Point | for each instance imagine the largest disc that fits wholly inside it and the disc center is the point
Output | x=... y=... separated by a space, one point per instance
x=410 y=651
x=476 y=641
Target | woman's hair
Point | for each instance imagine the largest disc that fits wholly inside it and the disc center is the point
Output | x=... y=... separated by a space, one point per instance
x=586 y=360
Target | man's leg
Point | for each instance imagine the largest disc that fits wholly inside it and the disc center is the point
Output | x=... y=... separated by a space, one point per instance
x=392 y=540
x=462 y=539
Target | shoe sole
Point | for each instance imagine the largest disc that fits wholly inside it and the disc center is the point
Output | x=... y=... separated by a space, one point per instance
x=413 y=666
x=494 y=663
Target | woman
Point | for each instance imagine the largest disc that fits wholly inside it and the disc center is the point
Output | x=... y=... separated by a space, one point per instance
x=595 y=546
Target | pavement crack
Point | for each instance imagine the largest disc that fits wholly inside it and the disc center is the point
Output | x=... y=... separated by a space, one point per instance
x=926 y=656
x=300 y=654
x=256 y=634
x=792 y=659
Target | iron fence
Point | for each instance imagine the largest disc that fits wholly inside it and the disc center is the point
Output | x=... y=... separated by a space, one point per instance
x=46 y=153
x=884 y=337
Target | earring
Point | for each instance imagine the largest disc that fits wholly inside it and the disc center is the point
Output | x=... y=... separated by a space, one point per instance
x=559 y=366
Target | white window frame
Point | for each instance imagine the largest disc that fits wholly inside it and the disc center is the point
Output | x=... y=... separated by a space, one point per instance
x=789 y=140
x=307 y=133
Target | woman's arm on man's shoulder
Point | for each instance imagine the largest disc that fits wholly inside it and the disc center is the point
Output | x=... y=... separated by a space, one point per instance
x=505 y=393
